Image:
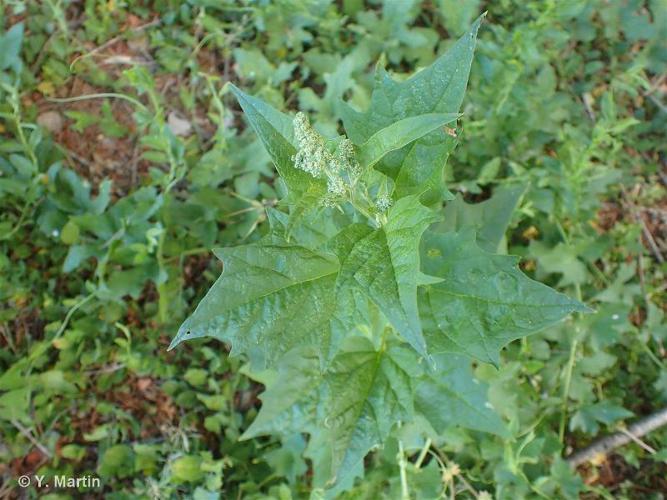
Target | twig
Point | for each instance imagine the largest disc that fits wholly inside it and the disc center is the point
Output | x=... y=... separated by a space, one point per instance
x=641 y=443
x=32 y=439
x=72 y=155
x=655 y=85
x=107 y=369
x=113 y=40
x=606 y=444
x=657 y=102
x=645 y=231
x=8 y=338
x=5 y=489
x=587 y=99
x=446 y=464
x=651 y=241
x=100 y=95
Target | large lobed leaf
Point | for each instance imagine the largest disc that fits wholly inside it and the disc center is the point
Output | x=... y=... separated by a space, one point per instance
x=436 y=89
x=352 y=405
x=450 y=395
x=319 y=298
x=489 y=218
x=348 y=408
x=483 y=301
x=277 y=134
x=399 y=134
x=268 y=299
x=273 y=297
x=384 y=265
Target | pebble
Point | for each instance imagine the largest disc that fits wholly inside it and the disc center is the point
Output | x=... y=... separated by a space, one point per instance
x=51 y=120
x=178 y=125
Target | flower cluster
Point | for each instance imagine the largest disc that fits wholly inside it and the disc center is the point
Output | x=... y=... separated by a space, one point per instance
x=383 y=203
x=312 y=155
x=348 y=160
x=340 y=169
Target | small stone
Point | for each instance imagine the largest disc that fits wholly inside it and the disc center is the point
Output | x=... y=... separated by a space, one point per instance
x=178 y=125
x=51 y=121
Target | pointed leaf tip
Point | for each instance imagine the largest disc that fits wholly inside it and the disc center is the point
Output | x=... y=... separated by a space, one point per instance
x=582 y=308
x=174 y=342
x=181 y=336
x=178 y=338
x=483 y=293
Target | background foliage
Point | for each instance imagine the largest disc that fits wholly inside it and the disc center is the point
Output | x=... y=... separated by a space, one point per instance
x=109 y=207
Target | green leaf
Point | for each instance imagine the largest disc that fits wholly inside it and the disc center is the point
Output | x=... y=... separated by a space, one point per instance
x=289 y=403
x=569 y=482
x=312 y=229
x=24 y=167
x=450 y=395
x=457 y=14
x=399 y=134
x=82 y=120
x=287 y=461
x=73 y=452
x=76 y=255
x=489 y=218
x=277 y=134
x=10 y=46
x=196 y=376
x=265 y=287
x=436 y=89
x=252 y=65
x=70 y=233
x=347 y=408
x=660 y=456
x=117 y=461
x=587 y=417
x=384 y=265
x=187 y=469
x=483 y=301
x=560 y=259
x=268 y=299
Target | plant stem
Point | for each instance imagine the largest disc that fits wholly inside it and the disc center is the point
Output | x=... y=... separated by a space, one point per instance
x=653 y=357
x=423 y=453
x=566 y=389
x=573 y=353
x=402 y=463
x=100 y=95
x=69 y=314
